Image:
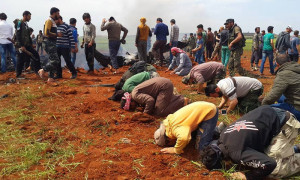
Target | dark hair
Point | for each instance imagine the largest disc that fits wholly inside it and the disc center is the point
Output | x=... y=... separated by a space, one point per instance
x=30 y=30
x=211 y=88
x=111 y=19
x=296 y=32
x=40 y=31
x=26 y=13
x=282 y=58
x=256 y=28
x=60 y=18
x=53 y=10
x=209 y=29
x=173 y=21
x=73 y=21
x=191 y=34
x=270 y=28
x=86 y=15
x=211 y=157
x=159 y=19
x=263 y=31
x=3 y=16
x=200 y=26
x=199 y=34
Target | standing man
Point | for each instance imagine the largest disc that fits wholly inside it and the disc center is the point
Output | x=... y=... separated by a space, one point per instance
x=73 y=28
x=191 y=44
x=294 y=51
x=209 y=43
x=225 y=52
x=236 y=43
x=6 y=45
x=255 y=49
x=114 y=32
x=174 y=36
x=65 y=45
x=88 y=42
x=161 y=31
x=283 y=41
x=40 y=39
x=261 y=45
x=204 y=37
x=24 y=42
x=268 y=50
x=142 y=35
x=50 y=33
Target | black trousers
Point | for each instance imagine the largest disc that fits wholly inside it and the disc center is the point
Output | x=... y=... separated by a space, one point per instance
x=90 y=54
x=209 y=49
x=66 y=54
x=23 y=58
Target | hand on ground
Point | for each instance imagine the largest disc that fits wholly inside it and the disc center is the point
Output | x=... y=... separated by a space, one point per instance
x=169 y=150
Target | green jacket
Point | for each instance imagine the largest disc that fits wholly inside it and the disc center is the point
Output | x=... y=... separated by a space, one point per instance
x=287 y=82
x=135 y=80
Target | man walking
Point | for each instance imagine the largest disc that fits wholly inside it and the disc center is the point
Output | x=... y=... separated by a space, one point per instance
x=73 y=28
x=24 y=42
x=209 y=43
x=88 y=42
x=64 y=45
x=114 y=32
x=283 y=42
x=161 y=31
x=6 y=45
x=236 y=43
x=294 y=51
x=50 y=34
x=255 y=49
x=142 y=35
x=40 y=39
x=268 y=50
x=174 y=36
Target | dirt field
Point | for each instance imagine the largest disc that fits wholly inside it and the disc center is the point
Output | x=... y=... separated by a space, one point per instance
x=73 y=131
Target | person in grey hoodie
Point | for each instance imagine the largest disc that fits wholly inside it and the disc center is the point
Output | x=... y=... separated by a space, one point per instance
x=283 y=41
x=182 y=61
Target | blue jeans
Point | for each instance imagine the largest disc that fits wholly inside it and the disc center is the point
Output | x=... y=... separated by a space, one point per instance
x=3 y=50
x=73 y=58
x=113 y=51
x=269 y=54
x=199 y=57
x=174 y=44
x=205 y=132
x=283 y=105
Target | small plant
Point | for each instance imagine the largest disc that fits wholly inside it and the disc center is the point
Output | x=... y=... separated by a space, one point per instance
x=227 y=173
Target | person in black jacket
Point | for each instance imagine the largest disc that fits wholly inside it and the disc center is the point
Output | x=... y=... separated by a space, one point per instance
x=24 y=43
x=244 y=142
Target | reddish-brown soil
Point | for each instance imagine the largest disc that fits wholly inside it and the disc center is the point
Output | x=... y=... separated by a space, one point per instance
x=118 y=140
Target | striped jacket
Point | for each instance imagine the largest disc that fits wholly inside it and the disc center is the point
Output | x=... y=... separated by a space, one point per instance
x=174 y=33
x=67 y=40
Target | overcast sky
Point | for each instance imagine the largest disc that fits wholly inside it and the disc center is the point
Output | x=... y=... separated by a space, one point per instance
x=187 y=13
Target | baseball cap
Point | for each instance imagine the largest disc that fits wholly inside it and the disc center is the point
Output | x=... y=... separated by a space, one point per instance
x=229 y=21
x=159 y=135
x=289 y=27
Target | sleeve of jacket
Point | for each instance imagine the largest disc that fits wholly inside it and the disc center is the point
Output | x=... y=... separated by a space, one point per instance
x=183 y=137
x=75 y=36
x=171 y=66
x=93 y=33
x=172 y=34
x=255 y=39
x=137 y=37
x=71 y=38
x=182 y=61
x=260 y=164
x=19 y=34
x=125 y=30
x=288 y=41
x=279 y=87
x=105 y=26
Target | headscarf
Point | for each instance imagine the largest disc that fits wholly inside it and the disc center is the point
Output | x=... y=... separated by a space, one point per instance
x=177 y=50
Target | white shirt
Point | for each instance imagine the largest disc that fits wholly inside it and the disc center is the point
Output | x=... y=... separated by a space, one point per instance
x=244 y=85
x=6 y=31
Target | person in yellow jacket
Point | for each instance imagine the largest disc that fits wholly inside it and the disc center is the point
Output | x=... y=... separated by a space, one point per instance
x=142 y=35
x=199 y=116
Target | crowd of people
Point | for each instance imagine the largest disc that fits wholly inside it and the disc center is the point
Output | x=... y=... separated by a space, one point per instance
x=262 y=140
